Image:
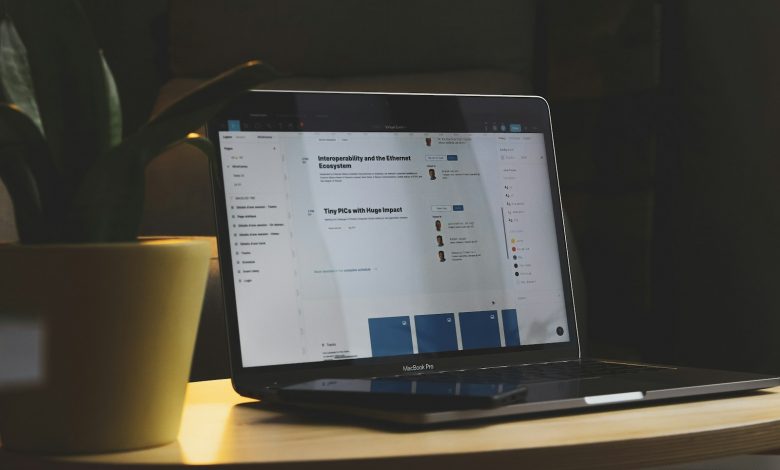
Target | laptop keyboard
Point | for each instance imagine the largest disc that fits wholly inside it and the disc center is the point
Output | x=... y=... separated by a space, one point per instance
x=546 y=372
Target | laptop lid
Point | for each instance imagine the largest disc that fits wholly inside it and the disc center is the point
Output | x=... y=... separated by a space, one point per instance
x=367 y=234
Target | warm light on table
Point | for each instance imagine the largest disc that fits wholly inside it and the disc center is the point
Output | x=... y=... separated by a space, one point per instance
x=204 y=423
x=222 y=428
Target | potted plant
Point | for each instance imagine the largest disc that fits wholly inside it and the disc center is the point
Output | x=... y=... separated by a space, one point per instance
x=118 y=315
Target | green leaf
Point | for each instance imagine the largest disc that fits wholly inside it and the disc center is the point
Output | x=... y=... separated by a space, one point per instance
x=193 y=110
x=201 y=143
x=23 y=189
x=16 y=127
x=15 y=77
x=21 y=186
x=114 y=108
x=69 y=81
x=29 y=175
x=109 y=205
x=227 y=84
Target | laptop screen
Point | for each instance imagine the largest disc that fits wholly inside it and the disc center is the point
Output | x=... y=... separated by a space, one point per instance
x=366 y=226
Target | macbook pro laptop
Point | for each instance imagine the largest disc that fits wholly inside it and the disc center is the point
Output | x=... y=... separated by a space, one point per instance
x=410 y=242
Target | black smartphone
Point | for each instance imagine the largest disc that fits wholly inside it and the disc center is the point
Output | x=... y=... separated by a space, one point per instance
x=418 y=393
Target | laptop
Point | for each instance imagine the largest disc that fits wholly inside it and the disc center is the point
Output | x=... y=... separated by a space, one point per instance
x=410 y=239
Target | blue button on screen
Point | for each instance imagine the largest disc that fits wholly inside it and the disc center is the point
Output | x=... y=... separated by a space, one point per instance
x=452 y=158
x=234 y=125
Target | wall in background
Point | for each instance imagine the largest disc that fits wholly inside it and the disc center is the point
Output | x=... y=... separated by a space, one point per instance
x=602 y=63
x=717 y=223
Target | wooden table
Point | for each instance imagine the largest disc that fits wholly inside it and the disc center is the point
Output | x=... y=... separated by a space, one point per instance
x=222 y=429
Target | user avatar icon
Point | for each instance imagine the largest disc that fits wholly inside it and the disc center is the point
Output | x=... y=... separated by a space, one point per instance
x=432 y=173
x=428 y=141
x=437 y=223
x=441 y=257
x=439 y=240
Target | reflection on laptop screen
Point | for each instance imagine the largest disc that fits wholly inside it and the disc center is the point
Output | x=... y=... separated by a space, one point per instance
x=352 y=245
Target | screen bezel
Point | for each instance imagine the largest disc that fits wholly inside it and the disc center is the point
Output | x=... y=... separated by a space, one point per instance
x=251 y=380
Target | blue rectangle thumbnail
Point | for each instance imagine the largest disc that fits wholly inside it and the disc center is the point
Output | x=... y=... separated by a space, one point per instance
x=457 y=207
x=234 y=125
x=390 y=336
x=479 y=330
x=511 y=330
x=515 y=128
x=452 y=158
x=436 y=332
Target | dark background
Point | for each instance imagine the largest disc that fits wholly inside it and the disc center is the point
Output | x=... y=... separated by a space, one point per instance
x=666 y=118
